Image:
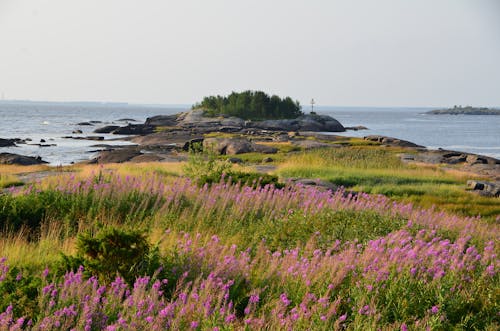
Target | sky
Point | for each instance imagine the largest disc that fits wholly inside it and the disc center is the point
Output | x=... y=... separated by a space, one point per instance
x=339 y=52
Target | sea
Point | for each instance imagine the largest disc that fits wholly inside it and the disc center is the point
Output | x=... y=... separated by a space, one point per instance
x=53 y=122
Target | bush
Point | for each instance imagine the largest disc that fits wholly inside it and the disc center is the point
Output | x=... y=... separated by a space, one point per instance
x=114 y=251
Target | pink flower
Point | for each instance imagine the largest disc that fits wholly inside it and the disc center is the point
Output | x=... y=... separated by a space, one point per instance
x=285 y=299
x=434 y=310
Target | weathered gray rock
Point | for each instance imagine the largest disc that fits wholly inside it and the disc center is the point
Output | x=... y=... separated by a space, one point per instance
x=233 y=146
x=484 y=188
x=392 y=141
x=134 y=129
x=162 y=120
x=310 y=122
x=7 y=142
x=149 y=157
x=116 y=156
x=10 y=158
x=228 y=146
x=77 y=131
x=107 y=129
x=311 y=144
x=264 y=149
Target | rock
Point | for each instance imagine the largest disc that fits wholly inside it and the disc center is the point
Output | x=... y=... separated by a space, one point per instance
x=77 y=131
x=149 y=157
x=95 y=122
x=484 y=188
x=116 y=156
x=356 y=128
x=311 y=144
x=267 y=160
x=264 y=149
x=98 y=138
x=10 y=158
x=162 y=120
x=316 y=183
x=392 y=141
x=85 y=123
x=7 y=142
x=126 y=120
x=42 y=140
x=134 y=129
x=235 y=160
x=476 y=159
x=106 y=129
x=309 y=122
x=228 y=146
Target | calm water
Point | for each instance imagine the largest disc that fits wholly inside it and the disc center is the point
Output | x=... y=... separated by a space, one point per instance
x=468 y=133
x=477 y=134
x=51 y=122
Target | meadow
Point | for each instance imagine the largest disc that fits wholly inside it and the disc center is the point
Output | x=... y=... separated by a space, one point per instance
x=127 y=247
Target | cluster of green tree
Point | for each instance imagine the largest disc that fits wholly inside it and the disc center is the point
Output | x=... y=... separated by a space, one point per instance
x=251 y=105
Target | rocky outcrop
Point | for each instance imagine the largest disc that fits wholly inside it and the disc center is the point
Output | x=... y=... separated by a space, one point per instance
x=134 y=129
x=233 y=146
x=310 y=122
x=116 y=156
x=484 y=188
x=392 y=141
x=10 y=158
x=195 y=119
x=7 y=142
x=162 y=120
x=312 y=144
x=107 y=129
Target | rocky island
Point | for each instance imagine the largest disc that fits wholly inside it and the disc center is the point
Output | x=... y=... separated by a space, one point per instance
x=468 y=110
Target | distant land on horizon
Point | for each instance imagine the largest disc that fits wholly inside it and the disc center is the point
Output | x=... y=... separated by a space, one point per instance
x=468 y=110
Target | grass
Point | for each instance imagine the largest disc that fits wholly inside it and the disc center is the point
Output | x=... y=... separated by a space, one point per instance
x=380 y=171
x=316 y=261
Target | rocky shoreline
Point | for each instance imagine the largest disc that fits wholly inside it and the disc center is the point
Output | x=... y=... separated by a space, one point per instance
x=169 y=137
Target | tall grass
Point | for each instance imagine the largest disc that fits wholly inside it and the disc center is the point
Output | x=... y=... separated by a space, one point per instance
x=234 y=257
x=380 y=171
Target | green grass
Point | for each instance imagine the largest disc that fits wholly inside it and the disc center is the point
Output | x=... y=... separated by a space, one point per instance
x=7 y=180
x=380 y=171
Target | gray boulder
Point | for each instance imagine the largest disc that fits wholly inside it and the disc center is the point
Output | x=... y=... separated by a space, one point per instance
x=106 y=129
x=228 y=146
x=233 y=146
x=7 y=142
x=392 y=141
x=10 y=158
x=134 y=129
x=162 y=120
x=116 y=156
x=484 y=188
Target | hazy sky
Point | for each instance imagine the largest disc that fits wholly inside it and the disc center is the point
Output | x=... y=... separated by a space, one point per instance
x=345 y=52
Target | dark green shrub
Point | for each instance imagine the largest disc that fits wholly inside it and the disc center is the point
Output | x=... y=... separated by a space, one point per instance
x=114 y=251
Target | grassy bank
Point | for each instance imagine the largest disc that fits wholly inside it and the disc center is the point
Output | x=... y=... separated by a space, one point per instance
x=380 y=171
x=230 y=257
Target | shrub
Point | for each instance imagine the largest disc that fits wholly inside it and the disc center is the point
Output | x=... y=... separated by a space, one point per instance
x=113 y=251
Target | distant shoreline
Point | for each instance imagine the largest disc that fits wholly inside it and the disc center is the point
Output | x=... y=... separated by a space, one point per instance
x=465 y=111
